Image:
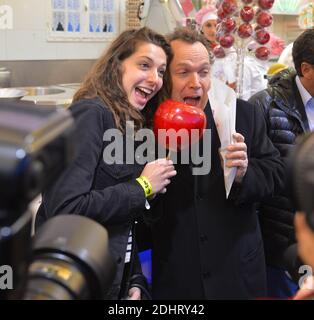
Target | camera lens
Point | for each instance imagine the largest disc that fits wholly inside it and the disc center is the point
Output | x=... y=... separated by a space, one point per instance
x=70 y=260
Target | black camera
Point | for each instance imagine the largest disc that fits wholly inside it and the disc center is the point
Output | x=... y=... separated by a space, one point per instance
x=69 y=258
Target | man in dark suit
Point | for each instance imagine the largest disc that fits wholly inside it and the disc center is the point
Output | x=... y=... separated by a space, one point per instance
x=204 y=245
x=288 y=106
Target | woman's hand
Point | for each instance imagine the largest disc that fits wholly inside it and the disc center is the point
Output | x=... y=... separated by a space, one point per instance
x=159 y=173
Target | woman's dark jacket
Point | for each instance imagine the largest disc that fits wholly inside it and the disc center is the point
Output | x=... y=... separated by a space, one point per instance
x=108 y=194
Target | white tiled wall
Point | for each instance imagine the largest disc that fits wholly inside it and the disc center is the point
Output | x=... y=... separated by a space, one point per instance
x=28 y=38
x=74 y=50
x=28 y=45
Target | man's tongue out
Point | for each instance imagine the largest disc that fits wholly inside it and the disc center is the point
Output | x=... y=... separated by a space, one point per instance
x=192 y=101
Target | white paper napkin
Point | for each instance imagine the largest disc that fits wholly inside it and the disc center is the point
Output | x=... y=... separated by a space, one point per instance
x=223 y=101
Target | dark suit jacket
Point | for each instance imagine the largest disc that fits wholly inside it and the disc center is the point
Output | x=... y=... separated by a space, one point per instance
x=207 y=247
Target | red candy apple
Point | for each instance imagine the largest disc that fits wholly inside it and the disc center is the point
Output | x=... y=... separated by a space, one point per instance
x=247 y=14
x=245 y=30
x=228 y=24
x=264 y=19
x=229 y=6
x=266 y=4
x=221 y=14
x=177 y=115
x=262 y=36
x=262 y=53
x=226 y=41
x=219 y=52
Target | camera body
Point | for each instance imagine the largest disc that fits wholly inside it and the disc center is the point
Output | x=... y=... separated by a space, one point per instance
x=69 y=258
x=35 y=147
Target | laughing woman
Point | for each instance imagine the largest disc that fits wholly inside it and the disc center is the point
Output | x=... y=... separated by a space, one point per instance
x=115 y=91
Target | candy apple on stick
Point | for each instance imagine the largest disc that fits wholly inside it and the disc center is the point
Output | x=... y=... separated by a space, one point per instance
x=171 y=117
x=242 y=21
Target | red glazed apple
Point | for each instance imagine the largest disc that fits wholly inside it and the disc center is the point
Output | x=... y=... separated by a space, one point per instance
x=262 y=53
x=262 y=36
x=228 y=24
x=177 y=115
x=226 y=41
x=247 y=14
x=229 y=6
x=219 y=52
x=245 y=30
x=264 y=19
x=266 y=4
x=221 y=14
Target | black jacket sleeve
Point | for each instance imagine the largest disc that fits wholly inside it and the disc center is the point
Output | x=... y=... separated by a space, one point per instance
x=73 y=192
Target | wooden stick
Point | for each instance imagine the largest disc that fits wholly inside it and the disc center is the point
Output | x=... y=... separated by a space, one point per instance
x=169 y=155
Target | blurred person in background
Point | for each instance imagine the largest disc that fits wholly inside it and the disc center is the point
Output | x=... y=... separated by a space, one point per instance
x=305 y=238
x=222 y=68
x=301 y=181
x=206 y=18
x=288 y=107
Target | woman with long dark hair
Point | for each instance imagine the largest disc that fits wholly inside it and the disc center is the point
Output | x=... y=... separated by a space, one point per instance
x=115 y=91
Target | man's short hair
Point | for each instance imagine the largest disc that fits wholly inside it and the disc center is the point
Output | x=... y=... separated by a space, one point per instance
x=303 y=50
x=189 y=36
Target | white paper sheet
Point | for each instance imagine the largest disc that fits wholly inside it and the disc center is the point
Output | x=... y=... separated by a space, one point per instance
x=223 y=103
